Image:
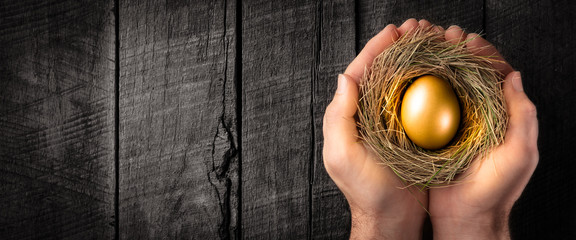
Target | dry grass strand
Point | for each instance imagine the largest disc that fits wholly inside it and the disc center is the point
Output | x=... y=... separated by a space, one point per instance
x=476 y=83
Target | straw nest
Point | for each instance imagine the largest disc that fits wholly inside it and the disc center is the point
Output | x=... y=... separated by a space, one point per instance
x=476 y=84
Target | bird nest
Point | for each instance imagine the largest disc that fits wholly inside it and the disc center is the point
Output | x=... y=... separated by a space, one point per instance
x=478 y=87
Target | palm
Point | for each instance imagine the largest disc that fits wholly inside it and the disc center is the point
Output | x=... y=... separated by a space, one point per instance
x=366 y=183
x=492 y=184
x=369 y=187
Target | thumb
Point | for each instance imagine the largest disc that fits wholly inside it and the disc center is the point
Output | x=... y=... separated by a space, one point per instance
x=339 y=122
x=339 y=128
x=522 y=132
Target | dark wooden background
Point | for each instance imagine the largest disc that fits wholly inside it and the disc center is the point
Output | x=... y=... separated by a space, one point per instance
x=203 y=119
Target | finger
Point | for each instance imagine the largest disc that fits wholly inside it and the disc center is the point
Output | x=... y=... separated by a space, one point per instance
x=438 y=29
x=407 y=26
x=339 y=126
x=374 y=47
x=523 y=124
x=455 y=35
x=481 y=47
x=423 y=23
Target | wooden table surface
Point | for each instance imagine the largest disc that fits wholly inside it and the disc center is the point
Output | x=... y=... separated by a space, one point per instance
x=203 y=119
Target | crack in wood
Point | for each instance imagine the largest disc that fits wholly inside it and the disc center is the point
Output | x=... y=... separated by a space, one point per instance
x=218 y=175
x=220 y=172
x=313 y=80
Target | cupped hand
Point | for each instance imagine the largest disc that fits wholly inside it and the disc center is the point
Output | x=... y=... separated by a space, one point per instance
x=380 y=206
x=478 y=207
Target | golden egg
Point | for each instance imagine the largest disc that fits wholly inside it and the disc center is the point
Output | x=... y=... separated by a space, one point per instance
x=430 y=113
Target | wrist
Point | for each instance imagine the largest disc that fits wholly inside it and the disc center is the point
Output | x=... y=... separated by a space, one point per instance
x=374 y=226
x=482 y=226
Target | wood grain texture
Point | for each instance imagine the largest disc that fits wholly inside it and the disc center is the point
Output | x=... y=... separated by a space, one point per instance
x=373 y=15
x=205 y=154
x=178 y=136
x=56 y=120
x=278 y=61
x=537 y=38
x=335 y=49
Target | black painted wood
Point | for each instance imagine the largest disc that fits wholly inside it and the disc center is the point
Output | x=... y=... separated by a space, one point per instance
x=373 y=16
x=56 y=120
x=220 y=113
x=278 y=58
x=335 y=49
x=178 y=132
x=537 y=38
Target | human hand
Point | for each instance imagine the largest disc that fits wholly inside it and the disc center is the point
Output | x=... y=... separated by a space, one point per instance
x=479 y=207
x=380 y=207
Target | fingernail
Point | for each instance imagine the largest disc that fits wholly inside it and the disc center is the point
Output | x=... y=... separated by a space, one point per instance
x=436 y=28
x=406 y=22
x=517 y=82
x=453 y=26
x=387 y=26
x=341 y=84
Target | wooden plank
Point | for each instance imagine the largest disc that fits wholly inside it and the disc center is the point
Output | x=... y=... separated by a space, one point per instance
x=278 y=58
x=178 y=130
x=336 y=49
x=374 y=15
x=537 y=38
x=56 y=120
